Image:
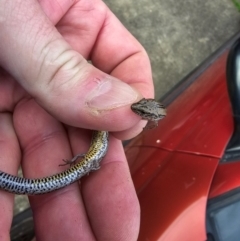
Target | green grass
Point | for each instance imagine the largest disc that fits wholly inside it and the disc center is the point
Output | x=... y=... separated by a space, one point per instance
x=237 y=4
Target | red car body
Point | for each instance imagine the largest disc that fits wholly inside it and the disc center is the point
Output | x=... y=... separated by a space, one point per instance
x=177 y=168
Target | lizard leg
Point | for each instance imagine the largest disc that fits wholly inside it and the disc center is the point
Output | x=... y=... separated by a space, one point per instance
x=72 y=161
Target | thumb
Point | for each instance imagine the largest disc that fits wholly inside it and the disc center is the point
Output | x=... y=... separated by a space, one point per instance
x=58 y=77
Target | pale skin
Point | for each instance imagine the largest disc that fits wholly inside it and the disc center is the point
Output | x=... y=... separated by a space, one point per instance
x=49 y=86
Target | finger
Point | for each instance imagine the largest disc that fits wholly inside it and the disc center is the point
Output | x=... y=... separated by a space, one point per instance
x=55 y=9
x=9 y=162
x=131 y=64
x=59 y=215
x=58 y=77
x=114 y=212
x=131 y=132
x=95 y=32
x=10 y=92
x=99 y=37
x=109 y=195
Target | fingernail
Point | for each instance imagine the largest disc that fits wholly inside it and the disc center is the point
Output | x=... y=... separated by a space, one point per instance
x=110 y=93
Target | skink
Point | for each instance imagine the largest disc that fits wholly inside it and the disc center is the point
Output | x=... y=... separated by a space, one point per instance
x=148 y=109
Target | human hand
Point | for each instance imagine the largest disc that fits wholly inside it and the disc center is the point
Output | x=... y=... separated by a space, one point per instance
x=60 y=80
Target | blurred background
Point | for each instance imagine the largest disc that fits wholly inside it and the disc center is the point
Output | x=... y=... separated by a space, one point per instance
x=178 y=36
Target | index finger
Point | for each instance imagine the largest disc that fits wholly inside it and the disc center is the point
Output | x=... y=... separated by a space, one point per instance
x=118 y=53
x=98 y=35
x=94 y=31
